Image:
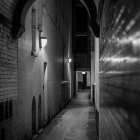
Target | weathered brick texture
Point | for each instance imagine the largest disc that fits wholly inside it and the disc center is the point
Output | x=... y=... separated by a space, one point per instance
x=8 y=73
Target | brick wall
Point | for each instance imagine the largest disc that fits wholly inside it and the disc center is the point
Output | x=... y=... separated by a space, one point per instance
x=33 y=79
x=8 y=72
x=31 y=93
x=119 y=68
x=7 y=8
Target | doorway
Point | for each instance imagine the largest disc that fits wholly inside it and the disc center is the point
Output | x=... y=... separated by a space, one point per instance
x=39 y=113
x=83 y=80
x=33 y=116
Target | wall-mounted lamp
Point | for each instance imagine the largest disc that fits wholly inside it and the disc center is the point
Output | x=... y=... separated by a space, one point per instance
x=83 y=72
x=43 y=41
x=69 y=60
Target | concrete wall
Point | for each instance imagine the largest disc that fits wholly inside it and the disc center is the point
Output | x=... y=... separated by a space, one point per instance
x=119 y=68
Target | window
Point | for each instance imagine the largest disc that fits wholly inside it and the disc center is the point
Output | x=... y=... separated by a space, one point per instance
x=2 y=134
x=1 y=111
x=6 y=109
x=10 y=108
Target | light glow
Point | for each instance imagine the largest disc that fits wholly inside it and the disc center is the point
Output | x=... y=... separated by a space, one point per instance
x=83 y=72
x=43 y=41
x=69 y=60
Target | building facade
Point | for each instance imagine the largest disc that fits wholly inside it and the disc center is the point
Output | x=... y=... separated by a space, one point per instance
x=36 y=82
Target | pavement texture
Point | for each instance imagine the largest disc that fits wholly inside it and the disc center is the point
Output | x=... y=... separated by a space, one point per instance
x=75 y=122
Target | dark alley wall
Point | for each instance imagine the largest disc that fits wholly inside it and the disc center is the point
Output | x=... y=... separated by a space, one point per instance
x=119 y=70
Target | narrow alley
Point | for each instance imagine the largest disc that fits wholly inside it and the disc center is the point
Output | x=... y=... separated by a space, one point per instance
x=69 y=69
x=75 y=122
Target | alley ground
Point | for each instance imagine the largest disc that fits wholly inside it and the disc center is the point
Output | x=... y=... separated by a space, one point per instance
x=76 y=122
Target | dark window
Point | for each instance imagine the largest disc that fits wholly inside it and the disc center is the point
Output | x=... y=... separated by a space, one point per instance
x=10 y=108
x=6 y=109
x=2 y=134
x=81 y=44
x=1 y=111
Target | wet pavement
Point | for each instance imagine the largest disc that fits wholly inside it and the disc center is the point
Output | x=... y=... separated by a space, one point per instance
x=76 y=122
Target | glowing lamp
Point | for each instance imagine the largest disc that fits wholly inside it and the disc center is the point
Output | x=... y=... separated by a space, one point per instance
x=43 y=41
x=83 y=72
x=69 y=60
